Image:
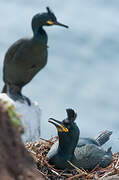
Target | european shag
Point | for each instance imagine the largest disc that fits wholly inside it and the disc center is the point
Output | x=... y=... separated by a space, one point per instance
x=26 y=57
x=85 y=154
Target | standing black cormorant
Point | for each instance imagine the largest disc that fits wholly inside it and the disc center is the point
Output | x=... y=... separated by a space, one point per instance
x=26 y=57
x=86 y=154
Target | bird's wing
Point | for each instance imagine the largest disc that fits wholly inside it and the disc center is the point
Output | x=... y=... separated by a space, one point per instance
x=84 y=141
x=13 y=49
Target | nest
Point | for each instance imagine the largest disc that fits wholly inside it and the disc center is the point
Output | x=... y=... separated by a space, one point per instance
x=39 y=150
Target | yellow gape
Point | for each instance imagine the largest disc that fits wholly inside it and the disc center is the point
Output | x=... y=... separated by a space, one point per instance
x=62 y=129
x=50 y=22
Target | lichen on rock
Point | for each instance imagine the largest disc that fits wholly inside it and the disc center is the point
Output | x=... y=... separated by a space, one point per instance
x=14 y=116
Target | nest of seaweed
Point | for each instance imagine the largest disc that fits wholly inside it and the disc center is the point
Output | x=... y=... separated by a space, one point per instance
x=39 y=150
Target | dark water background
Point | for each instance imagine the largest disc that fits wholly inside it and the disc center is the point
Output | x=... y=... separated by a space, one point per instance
x=83 y=62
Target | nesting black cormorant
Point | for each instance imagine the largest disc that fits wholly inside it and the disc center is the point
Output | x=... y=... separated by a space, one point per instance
x=86 y=154
x=26 y=57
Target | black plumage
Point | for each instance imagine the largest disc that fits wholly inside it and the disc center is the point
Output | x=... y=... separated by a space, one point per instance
x=26 y=57
x=84 y=153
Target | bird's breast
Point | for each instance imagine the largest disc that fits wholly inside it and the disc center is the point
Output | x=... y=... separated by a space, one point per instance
x=35 y=54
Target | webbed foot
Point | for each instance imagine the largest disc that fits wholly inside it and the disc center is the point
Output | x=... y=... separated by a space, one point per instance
x=20 y=98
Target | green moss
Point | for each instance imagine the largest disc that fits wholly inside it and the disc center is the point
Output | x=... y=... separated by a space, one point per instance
x=14 y=116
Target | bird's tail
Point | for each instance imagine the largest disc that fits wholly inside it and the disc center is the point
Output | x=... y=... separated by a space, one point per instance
x=4 y=90
x=103 y=137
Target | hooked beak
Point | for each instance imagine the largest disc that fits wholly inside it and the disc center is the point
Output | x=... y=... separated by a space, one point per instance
x=60 y=127
x=59 y=24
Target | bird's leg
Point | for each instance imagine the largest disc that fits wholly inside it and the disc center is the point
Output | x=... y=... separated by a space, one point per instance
x=26 y=99
x=14 y=92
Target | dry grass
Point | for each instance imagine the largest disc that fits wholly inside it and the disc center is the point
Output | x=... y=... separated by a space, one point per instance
x=40 y=148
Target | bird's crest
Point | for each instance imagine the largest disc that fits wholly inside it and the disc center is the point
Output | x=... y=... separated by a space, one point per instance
x=49 y=10
x=71 y=115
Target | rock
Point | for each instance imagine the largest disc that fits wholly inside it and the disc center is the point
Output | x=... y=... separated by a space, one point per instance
x=29 y=115
x=15 y=162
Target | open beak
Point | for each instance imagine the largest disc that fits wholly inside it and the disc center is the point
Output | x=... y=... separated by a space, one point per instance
x=60 y=127
x=59 y=24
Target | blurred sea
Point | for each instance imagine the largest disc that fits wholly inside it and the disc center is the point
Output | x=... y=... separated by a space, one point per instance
x=83 y=62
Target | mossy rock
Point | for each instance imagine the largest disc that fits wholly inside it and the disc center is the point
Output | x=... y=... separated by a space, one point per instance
x=14 y=116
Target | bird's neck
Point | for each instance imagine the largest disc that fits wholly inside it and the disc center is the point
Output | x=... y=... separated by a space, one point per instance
x=39 y=31
x=40 y=34
x=67 y=146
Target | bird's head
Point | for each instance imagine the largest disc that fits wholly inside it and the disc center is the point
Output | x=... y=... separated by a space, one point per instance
x=45 y=19
x=67 y=129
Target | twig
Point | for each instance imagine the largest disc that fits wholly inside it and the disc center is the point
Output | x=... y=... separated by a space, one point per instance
x=66 y=174
x=116 y=166
x=42 y=174
x=75 y=176
x=55 y=172
x=107 y=174
x=78 y=170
